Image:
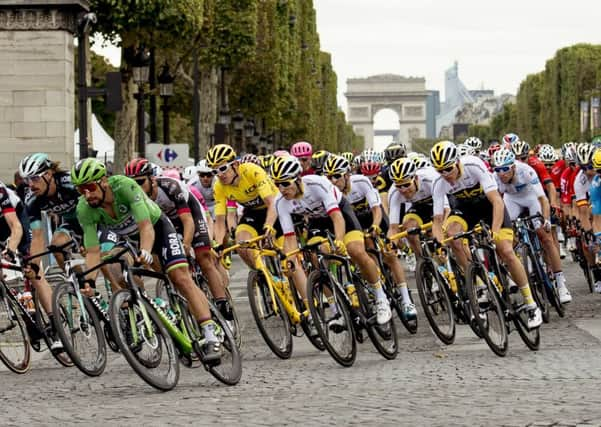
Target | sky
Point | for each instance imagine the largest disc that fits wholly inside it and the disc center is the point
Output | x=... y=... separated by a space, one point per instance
x=497 y=44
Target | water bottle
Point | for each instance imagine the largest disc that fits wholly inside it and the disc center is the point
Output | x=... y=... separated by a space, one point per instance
x=495 y=280
x=162 y=304
x=352 y=293
x=27 y=301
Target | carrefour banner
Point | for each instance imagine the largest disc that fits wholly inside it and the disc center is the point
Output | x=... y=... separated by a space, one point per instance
x=584 y=116
x=595 y=113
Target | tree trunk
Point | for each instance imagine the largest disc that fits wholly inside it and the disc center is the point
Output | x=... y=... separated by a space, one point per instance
x=125 y=125
x=208 y=107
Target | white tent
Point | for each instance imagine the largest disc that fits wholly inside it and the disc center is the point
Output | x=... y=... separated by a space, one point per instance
x=101 y=141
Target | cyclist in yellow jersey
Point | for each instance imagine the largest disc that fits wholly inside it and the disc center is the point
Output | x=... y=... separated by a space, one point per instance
x=248 y=185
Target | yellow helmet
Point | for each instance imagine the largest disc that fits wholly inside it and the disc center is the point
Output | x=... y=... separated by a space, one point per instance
x=402 y=169
x=443 y=154
x=335 y=165
x=220 y=154
x=597 y=159
x=285 y=168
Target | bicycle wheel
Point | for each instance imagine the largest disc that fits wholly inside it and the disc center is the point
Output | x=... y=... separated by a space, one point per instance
x=15 y=352
x=396 y=299
x=488 y=312
x=44 y=325
x=331 y=318
x=384 y=336
x=315 y=340
x=234 y=324
x=531 y=337
x=151 y=354
x=435 y=301
x=536 y=280
x=270 y=315
x=80 y=330
x=551 y=292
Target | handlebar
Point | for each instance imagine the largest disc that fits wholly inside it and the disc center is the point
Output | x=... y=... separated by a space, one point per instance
x=411 y=231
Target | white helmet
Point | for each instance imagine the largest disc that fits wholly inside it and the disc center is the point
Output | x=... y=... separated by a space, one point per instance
x=202 y=167
x=189 y=173
x=156 y=169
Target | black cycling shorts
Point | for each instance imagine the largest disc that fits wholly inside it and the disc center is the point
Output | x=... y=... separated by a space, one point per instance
x=168 y=246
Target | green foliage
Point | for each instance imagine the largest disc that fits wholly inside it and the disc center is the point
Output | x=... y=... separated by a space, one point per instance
x=276 y=72
x=548 y=103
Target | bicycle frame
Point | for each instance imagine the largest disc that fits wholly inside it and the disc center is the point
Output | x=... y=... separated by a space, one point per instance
x=273 y=268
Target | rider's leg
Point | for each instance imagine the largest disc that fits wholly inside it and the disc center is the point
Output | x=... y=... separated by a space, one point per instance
x=505 y=251
x=453 y=226
x=206 y=261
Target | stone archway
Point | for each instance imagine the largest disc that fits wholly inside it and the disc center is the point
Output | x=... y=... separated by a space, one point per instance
x=404 y=95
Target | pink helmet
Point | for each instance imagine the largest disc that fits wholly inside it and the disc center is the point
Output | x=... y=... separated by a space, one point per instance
x=281 y=153
x=172 y=173
x=301 y=149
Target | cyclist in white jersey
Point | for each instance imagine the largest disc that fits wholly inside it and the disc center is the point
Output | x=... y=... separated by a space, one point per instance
x=522 y=190
x=477 y=198
x=410 y=198
x=367 y=205
x=326 y=209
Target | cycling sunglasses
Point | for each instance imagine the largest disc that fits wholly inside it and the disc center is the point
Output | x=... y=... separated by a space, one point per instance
x=336 y=176
x=90 y=187
x=222 y=169
x=206 y=175
x=586 y=167
x=446 y=170
x=502 y=169
x=404 y=185
x=140 y=181
x=284 y=184
x=34 y=178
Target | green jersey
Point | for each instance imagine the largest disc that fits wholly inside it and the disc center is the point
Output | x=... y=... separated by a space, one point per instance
x=130 y=205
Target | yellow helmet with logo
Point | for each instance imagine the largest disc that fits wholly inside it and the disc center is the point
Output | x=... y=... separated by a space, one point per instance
x=443 y=154
x=220 y=154
x=402 y=169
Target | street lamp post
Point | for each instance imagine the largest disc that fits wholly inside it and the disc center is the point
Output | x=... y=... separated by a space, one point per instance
x=165 y=80
x=140 y=69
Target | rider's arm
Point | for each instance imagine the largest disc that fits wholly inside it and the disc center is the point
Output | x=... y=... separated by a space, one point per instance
x=545 y=207
x=219 y=227
x=146 y=235
x=376 y=214
x=498 y=209
x=92 y=259
x=271 y=211
x=439 y=196
x=339 y=226
x=16 y=230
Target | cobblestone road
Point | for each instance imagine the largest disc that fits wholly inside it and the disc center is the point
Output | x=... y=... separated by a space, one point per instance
x=428 y=384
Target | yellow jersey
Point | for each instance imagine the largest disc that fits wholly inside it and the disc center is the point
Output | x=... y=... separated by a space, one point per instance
x=254 y=186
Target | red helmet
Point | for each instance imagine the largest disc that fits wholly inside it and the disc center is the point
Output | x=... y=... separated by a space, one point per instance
x=138 y=167
x=370 y=168
x=493 y=148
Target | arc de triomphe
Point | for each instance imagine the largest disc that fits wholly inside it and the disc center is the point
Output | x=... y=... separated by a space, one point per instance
x=404 y=95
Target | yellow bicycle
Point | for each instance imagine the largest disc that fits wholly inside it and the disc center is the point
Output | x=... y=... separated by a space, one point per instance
x=274 y=302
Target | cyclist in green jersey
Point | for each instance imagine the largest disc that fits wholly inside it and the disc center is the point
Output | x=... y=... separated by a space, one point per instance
x=119 y=204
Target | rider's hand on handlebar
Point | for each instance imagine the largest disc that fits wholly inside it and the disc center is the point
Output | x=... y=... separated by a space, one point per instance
x=145 y=257
x=547 y=225
x=375 y=230
x=340 y=247
x=9 y=255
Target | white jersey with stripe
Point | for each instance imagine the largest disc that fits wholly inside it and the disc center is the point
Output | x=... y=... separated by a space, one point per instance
x=474 y=181
x=582 y=184
x=525 y=182
x=318 y=200
x=362 y=195
x=425 y=180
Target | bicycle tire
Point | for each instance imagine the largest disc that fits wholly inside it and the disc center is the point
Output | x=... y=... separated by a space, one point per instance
x=261 y=306
x=120 y=325
x=64 y=300
x=435 y=302
x=315 y=340
x=536 y=281
x=552 y=293
x=530 y=337
x=498 y=346
x=43 y=324
x=228 y=373
x=317 y=283
x=13 y=336
x=384 y=337
x=588 y=274
x=235 y=322
x=397 y=301
x=464 y=308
